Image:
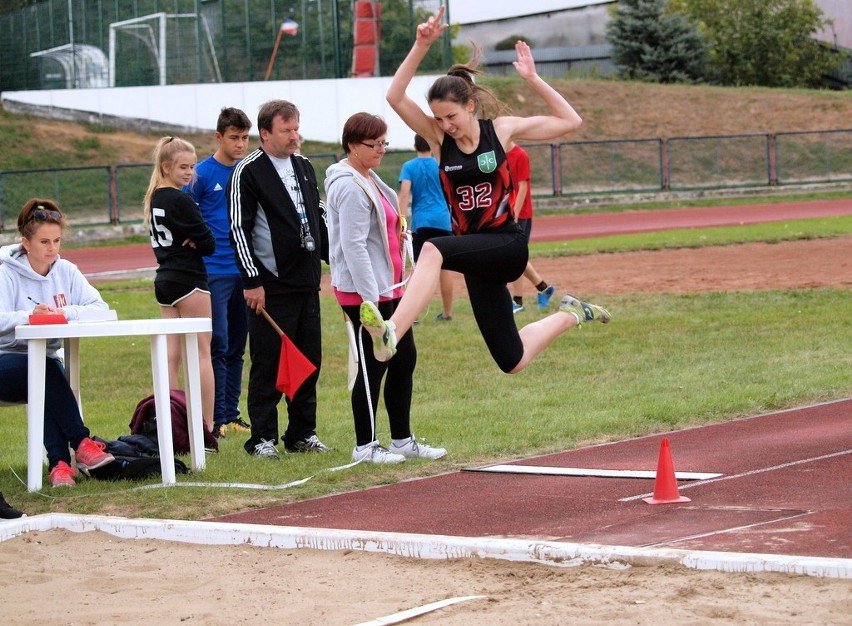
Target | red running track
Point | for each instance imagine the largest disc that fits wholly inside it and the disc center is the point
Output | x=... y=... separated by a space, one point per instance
x=103 y=263
x=786 y=489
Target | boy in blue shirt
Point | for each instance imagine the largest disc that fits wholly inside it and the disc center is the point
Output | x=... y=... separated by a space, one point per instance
x=230 y=327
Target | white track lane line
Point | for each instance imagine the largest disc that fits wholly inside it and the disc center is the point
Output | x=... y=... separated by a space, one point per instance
x=580 y=471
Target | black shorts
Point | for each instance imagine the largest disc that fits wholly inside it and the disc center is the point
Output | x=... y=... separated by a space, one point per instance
x=498 y=257
x=422 y=235
x=170 y=292
x=526 y=227
x=489 y=261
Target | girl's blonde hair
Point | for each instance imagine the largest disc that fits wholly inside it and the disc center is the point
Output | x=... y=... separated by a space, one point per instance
x=166 y=151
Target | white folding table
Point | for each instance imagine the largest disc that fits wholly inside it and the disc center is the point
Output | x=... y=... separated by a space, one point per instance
x=157 y=330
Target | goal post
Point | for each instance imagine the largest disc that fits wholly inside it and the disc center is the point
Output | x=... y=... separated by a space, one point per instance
x=161 y=35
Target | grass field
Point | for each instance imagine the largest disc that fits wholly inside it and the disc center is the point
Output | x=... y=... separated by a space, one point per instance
x=667 y=361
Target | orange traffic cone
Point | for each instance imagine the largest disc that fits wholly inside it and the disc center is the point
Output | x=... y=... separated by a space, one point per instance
x=665 y=483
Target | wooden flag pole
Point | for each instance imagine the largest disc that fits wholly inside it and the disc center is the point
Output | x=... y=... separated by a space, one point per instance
x=272 y=322
x=272 y=62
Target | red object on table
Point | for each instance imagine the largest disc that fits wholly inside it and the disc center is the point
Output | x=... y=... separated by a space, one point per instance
x=47 y=318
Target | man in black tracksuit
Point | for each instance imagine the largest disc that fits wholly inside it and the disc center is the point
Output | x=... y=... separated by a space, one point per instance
x=279 y=236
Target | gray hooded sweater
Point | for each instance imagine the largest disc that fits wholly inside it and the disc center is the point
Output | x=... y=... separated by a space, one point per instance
x=64 y=287
x=357 y=232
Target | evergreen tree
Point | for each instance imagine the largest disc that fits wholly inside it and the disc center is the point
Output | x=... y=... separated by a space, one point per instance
x=649 y=43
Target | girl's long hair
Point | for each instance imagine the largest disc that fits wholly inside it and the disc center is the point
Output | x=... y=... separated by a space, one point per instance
x=166 y=151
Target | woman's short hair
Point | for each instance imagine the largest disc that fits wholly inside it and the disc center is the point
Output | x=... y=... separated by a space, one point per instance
x=361 y=126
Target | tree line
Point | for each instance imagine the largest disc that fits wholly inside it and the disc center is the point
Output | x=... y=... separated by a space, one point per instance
x=725 y=42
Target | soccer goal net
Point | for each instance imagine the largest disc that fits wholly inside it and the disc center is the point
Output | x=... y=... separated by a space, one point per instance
x=162 y=49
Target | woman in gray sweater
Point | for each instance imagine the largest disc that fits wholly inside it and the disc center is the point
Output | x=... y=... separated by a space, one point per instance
x=366 y=242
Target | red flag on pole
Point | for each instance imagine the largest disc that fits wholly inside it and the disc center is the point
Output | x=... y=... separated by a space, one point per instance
x=293 y=366
x=290 y=27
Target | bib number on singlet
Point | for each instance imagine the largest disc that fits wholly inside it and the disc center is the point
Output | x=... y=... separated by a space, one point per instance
x=471 y=197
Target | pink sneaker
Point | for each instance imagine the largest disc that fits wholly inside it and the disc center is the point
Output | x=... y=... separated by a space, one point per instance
x=92 y=454
x=62 y=475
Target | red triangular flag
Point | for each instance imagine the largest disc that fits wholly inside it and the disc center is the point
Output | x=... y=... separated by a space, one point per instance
x=293 y=368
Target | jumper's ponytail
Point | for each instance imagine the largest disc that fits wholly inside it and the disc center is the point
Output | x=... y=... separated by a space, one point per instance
x=459 y=86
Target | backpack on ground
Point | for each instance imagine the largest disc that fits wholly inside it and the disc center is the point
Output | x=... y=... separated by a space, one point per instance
x=136 y=458
x=144 y=422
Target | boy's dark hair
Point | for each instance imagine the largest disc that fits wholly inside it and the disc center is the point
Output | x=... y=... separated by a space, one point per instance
x=421 y=145
x=230 y=116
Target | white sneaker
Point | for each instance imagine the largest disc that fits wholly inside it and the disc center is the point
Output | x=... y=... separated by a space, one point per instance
x=413 y=449
x=376 y=453
x=266 y=449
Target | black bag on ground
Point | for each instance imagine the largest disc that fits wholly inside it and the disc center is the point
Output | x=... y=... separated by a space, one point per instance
x=144 y=422
x=136 y=458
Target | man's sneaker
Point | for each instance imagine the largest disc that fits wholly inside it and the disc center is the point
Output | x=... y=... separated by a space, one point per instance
x=440 y=317
x=91 y=454
x=218 y=431
x=413 y=449
x=545 y=296
x=517 y=308
x=584 y=311
x=309 y=444
x=238 y=426
x=382 y=332
x=62 y=475
x=7 y=511
x=266 y=449
x=376 y=453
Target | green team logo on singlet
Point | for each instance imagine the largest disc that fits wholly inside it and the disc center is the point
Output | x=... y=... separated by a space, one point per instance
x=487 y=162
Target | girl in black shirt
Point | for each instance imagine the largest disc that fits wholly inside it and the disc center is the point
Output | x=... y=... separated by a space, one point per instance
x=180 y=238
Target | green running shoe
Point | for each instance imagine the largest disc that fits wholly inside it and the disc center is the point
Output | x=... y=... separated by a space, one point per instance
x=584 y=311
x=382 y=332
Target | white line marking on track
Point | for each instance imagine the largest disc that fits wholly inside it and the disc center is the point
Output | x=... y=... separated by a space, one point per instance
x=580 y=471
x=726 y=530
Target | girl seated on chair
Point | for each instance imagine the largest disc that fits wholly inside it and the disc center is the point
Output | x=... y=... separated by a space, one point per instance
x=35 y=280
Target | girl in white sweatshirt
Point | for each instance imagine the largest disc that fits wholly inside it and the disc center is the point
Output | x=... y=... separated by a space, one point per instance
x=35 y=280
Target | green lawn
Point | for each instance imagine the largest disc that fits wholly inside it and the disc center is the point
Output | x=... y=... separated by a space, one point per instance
x=666 y=361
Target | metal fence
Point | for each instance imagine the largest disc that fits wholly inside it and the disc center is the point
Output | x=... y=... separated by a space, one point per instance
x=112 y=194
x=68 y=44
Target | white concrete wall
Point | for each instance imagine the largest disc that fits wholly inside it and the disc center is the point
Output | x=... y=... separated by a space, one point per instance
x=569 y=27
x=324 y=104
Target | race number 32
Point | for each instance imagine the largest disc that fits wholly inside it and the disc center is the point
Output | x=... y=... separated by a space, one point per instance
x=471 y=197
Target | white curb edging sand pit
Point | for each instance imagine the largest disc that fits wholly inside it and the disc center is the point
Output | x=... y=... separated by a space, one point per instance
x=442 y=547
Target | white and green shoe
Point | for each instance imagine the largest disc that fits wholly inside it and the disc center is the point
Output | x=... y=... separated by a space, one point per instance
x=584 y=311
x=382 y=332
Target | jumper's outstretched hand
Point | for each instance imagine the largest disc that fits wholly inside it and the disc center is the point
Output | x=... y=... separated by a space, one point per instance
x=429 y=31
x=525 y=65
